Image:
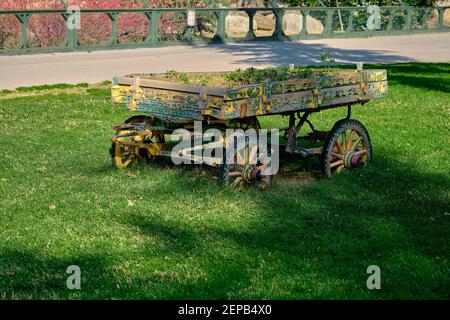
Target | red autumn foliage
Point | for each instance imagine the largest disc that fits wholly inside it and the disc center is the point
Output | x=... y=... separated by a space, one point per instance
x=46 y=30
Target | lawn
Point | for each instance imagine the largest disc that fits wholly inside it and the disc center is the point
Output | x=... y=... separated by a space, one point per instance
x=168 y=233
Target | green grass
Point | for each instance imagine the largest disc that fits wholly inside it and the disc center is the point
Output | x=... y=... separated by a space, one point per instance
x=63 y=204
x=52 y=86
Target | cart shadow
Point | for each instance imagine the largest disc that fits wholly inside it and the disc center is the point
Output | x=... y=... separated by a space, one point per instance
x=342 y=234
x=431 y=83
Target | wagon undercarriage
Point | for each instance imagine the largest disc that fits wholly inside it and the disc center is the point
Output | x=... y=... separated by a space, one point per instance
x=344 y=147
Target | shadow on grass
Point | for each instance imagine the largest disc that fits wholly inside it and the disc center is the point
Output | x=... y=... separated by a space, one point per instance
x=25 y=274
x=312 y=241
x=432 y=76
x=387 y=215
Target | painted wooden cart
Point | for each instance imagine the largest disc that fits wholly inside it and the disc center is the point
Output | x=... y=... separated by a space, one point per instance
x=165 y=106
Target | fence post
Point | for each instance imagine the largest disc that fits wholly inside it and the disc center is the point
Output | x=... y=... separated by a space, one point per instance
x=426 y=12
x=440 y=18
x=408 y=19
x=220 y=35
x=278 y=32
x=71 y=41
x=350 y=21
x=23 y=19
x=114 y=17
x=304 y=14
x=153 y=25
x=329 y=22
x=250 y=34
x=390 y=23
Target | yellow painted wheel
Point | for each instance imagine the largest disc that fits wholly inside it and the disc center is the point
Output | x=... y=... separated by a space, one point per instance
x=123 y=155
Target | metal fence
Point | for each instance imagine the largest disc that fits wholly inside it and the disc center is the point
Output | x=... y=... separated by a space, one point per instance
x=23 y=32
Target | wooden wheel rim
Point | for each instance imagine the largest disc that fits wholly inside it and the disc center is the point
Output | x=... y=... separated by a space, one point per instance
x=349 y=150
x=347 y=146
x=124 y=155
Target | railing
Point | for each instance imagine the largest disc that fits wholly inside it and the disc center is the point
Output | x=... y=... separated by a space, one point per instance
x=22 y=32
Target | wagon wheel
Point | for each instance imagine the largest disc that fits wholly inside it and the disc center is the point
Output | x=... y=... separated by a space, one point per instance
x=347 y=146
x=249 y=167
x=122 y=155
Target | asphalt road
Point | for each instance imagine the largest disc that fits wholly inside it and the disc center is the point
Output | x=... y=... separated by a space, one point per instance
x=97 y=66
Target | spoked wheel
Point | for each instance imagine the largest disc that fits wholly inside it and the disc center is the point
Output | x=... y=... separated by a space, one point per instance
x=123 y=155
x=346 y=147
x=250 y=166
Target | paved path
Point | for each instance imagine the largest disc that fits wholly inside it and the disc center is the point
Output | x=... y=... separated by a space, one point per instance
x=97 y=66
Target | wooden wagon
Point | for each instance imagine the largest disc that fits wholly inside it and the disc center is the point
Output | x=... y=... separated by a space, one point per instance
x=165 y=106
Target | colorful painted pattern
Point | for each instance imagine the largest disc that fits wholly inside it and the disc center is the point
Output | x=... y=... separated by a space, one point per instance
x=346 y=87
x=167 y=105
x=297 y=95
x=120 y=93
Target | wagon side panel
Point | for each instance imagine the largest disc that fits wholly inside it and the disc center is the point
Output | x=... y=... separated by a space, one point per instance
x=165 y=101
x=169 y=105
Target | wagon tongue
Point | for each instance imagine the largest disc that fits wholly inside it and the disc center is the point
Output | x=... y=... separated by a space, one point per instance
x=299 y=151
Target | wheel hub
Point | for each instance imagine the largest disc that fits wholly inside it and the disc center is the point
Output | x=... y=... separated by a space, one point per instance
x=351 y=159
x=251 y=173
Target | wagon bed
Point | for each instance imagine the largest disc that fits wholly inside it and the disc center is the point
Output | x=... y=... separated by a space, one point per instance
x=182 y=102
